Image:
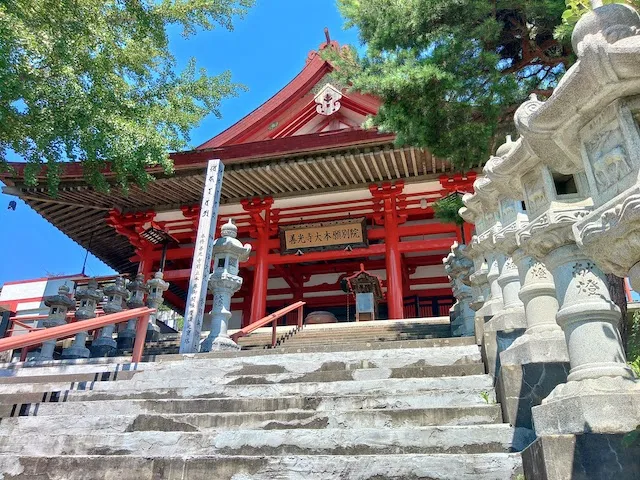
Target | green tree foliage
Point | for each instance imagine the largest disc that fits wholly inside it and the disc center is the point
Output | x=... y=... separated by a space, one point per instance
x=575 y=10
x=452 y=72
x=93 y=81
x=446 y=209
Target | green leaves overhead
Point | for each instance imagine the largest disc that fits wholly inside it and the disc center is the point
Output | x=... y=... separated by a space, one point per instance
x=446 y=209
x=93 y=81
x=575 y=10
x=451 y=72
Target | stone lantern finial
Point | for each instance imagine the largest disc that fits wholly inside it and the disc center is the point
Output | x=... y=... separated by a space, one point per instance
x=229 y=229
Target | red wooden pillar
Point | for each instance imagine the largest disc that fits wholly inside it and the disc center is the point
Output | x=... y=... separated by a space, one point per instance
x=145 y=266
x=468 y=231
x=260 y=210
x=388 y=193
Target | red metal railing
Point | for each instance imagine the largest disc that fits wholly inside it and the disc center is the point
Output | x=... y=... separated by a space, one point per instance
x=70 y=329
x=273 y=319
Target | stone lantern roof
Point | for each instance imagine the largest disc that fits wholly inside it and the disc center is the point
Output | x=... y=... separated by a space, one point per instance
x=228 y=243
x=62 y=298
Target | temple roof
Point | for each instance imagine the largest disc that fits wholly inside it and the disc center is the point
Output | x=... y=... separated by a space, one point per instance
x=294 y=109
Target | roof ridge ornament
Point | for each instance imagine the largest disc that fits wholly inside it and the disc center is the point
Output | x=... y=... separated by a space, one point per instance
x=328 y=100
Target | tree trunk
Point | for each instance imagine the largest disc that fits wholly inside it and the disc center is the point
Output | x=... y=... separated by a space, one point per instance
x=619 y=297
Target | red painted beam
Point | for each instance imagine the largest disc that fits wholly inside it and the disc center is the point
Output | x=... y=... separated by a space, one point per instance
x=414 y=230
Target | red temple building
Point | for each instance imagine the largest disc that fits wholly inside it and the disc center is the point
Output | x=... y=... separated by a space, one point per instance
x=314 y=193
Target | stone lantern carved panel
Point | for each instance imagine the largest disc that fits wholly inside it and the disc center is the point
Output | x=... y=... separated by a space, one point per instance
x=537 y=188
x=607 y=141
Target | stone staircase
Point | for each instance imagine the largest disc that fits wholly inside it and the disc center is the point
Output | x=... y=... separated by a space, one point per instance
x=344 y=402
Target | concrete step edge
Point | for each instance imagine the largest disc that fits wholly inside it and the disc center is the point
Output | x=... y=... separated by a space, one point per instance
x=461 y=415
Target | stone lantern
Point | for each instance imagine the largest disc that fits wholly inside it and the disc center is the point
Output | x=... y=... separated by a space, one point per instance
x=117 y=294
x=458 y=267
x=156 y=287
x=537 y=360
x=88 y=298
x=228 y=252
x=58 y=305
x=138 y=289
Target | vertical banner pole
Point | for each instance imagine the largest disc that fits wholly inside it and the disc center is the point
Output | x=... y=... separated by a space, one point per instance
x=201 y=266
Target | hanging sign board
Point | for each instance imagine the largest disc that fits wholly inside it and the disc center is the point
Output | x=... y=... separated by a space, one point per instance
x=201 y=266
x=336 y=235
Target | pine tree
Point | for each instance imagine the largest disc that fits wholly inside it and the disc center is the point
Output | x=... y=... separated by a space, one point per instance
x=451 y=72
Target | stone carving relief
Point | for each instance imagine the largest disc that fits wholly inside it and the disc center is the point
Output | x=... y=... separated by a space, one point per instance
x=508 y=211
x=537 y=269
x=608 y=156
x=536 y=194
x=522 y=117
x=509 y=265
x=612 y=238
x=586 y=280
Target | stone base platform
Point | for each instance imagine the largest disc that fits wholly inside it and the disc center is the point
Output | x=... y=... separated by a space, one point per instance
x=581 y=457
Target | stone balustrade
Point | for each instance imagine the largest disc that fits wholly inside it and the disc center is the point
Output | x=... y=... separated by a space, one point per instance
x=557 y=209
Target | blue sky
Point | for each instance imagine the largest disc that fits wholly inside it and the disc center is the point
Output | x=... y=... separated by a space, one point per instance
x=264 y=52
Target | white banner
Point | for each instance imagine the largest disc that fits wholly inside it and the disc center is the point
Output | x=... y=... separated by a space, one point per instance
x=201 y=266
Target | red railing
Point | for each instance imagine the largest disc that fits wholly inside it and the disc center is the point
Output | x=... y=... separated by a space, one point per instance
x=70 y=329
x=273 y=319
x=17 y=323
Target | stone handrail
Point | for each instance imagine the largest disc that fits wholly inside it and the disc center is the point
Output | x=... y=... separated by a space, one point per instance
x=61 y=331
x=273 y=320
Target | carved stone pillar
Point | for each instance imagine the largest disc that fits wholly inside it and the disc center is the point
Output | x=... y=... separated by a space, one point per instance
x=601 y=394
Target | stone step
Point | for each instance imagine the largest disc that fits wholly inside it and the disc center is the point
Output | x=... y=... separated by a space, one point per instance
x=351 y=331
x=361 y=441
x=192 y=422
x=50 y=377
x=193 y=386
x=449 y=350
x=347 y=336
x=255 y=365
x=23 y=392
x=295 y=341
x=62 y=367
x=321 y=367
x=493 y=466
x=342 y=343
x=356 y=346
x=274 y=402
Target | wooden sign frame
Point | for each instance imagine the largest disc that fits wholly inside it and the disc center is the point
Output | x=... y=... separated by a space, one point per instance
x=360 y=223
